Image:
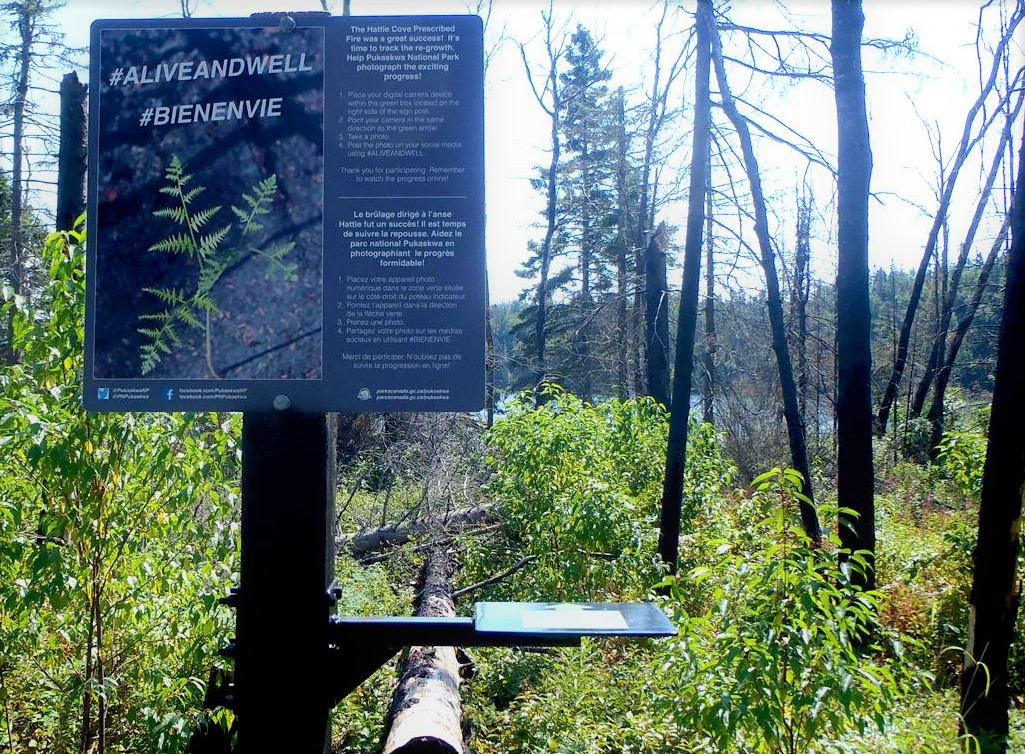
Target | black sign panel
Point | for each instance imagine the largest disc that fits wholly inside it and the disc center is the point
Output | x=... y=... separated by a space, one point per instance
x=286 y=215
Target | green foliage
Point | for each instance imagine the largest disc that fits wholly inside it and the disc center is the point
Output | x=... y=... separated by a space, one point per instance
x=927 y=526
x=116 y=536
x=576 y=487
x=579 y=487
x=358 y=721
x=599 y=699
x=207 y=248
x=924 y=563
x=920 y=723
x=776 y=664
x=778 y=651
x=962 y=458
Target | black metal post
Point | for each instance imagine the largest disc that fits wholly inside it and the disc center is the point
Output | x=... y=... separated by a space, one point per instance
x=283 y=602
x=71 y=157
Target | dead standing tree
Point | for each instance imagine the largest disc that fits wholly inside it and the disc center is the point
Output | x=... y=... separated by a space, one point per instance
x=995 y=592
x=800 y=294
x=774 y=299
x=549 y=98
x=947 y=344
x=972 y=134
x=650 y=244
x=676 y=452
x=855 y=473
x=936 y=411
x=656 y=297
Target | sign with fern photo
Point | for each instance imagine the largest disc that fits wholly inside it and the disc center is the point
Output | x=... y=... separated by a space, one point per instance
x=286 y=212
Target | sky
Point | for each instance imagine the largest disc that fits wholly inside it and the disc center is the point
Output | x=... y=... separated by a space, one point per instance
x=516 y=130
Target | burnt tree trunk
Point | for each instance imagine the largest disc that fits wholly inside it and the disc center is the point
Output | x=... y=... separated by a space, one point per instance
x=995 y=592
x=676 y=452
x=855 y=472
x=774 y=300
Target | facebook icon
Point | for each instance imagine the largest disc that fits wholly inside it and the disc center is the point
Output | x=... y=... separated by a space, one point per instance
x=169 y=394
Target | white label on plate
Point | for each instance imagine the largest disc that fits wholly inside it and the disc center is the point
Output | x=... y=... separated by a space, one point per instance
x=574 y=617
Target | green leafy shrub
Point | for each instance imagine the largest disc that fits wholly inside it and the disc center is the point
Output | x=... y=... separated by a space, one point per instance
x=116 y=538
x=923 y=568
x=576 y=485
x=579 y=487
x=358 y=721
x=599 y=699
x=961 y=458
x=776 y=664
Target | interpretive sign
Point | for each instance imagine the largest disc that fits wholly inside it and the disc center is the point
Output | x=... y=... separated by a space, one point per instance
x=286 y=213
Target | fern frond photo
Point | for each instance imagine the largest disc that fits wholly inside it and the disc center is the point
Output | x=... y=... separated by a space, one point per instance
x=258 y=202
x=214 y=253
x=210 y=236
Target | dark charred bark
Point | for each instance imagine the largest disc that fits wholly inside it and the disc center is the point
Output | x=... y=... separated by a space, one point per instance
x=774 y=299
x=995 y=592
x=676 y=453
x=855 y=472
x=71 y=158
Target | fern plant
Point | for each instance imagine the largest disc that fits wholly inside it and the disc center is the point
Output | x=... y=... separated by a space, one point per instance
x=207 y=245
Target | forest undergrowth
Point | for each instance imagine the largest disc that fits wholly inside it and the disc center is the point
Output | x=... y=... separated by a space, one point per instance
x=771 y=654
x=118 y=533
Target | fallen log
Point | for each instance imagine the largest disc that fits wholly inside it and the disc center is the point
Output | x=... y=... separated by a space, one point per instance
x=391 y=535
x=426 y=714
